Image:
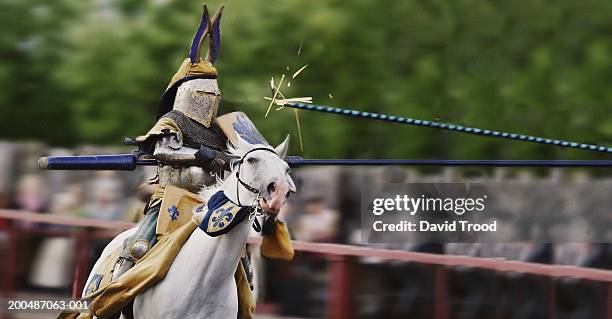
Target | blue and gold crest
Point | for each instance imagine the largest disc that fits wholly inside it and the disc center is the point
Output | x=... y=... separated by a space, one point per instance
x=222 y=215
x=221 y=218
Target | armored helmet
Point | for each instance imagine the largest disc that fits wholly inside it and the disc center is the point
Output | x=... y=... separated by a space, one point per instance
x=193 y=90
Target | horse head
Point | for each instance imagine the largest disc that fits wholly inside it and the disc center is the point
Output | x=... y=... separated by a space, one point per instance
x=260 y=173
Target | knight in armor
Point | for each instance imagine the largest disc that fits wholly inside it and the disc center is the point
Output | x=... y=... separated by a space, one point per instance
x=185 y=140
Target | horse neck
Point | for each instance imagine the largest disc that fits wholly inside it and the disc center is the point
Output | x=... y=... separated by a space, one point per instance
x=213 y=260
x=224 y=250
x=222 y=253
x=203 y=273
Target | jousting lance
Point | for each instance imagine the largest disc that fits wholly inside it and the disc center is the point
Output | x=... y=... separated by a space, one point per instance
x=128 y=162
x=447 y=126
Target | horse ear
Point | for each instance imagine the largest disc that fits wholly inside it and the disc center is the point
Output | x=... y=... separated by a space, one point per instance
x=281 y=149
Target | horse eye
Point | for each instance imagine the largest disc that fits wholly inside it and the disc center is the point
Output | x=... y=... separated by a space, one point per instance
x=251 y=160
x=287 y=171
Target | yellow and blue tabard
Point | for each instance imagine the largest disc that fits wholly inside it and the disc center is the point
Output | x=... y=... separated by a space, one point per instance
x=176 y=208
x=222 y=215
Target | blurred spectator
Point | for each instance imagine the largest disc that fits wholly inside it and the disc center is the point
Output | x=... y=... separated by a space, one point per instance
x=315 y=222
x=539 y=253
x=136 y=204
x=31 y=194
x=104 y=197
x=599 y=256
x=318 y=223
x=4 y=203
x=76 y=194
x=3 y=225
x=571 y=253
x=53 y=264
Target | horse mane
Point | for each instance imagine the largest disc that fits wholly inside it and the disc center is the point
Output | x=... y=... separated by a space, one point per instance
x=236 y=150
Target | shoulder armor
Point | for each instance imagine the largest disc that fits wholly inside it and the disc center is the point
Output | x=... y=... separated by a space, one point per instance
x=238 y=124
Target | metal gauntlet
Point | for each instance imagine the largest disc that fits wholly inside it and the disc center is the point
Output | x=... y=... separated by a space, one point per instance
x=188 y=167
x=213 y=159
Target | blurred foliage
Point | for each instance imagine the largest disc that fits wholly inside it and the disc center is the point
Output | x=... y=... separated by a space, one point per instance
x=92 y=71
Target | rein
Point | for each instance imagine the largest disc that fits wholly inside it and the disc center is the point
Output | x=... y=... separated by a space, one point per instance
x=244 y=184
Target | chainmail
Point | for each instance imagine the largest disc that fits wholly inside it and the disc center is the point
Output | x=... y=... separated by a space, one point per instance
x=195 y=134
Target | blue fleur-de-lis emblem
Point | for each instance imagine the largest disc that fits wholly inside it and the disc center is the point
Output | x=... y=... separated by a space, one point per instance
x=222 y=216
x=245 y=129
x=173 y=212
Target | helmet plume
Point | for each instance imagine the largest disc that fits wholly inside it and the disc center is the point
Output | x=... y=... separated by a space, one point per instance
x=210 y=28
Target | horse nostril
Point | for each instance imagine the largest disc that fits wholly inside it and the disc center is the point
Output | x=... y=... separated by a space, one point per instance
x=271 y=188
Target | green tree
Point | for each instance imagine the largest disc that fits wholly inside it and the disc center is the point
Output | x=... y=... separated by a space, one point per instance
x=538 y=67
x=32 y=101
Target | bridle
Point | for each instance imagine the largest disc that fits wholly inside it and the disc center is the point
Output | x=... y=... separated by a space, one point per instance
x=256 y=206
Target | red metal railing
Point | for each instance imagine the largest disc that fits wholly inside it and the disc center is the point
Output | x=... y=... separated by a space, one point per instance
x=340 y=257
x=88 y=230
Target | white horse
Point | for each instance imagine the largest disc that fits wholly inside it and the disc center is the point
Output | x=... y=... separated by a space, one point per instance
x=200 y=283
